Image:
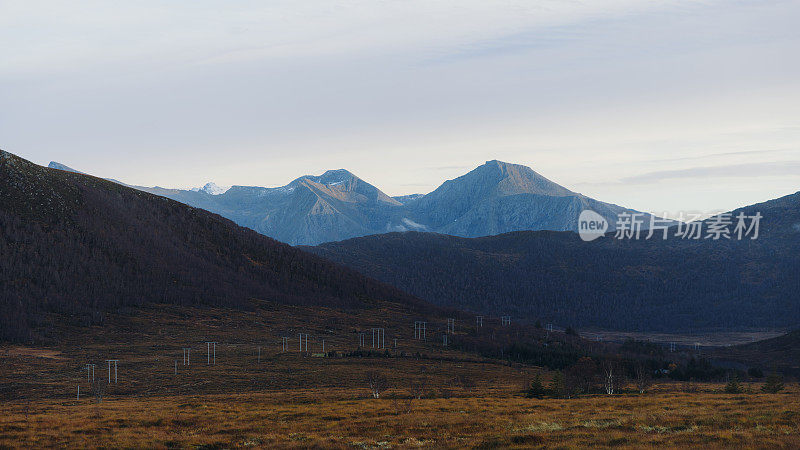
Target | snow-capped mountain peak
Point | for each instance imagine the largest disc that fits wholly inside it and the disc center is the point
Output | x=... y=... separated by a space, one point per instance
x=211 y=189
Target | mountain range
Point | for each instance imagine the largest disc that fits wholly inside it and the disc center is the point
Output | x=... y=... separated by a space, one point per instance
x=472 y=262
x=494 y=198
x=624 y=284
x=76 y=247
x=77 y=242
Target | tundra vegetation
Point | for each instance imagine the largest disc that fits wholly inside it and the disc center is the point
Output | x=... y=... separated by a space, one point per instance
x=419 y=394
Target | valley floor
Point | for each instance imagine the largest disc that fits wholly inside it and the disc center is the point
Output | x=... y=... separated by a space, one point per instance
x=348 y=418
x=258 y=395
x=703 y=339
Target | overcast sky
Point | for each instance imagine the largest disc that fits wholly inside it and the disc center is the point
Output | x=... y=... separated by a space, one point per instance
x=654 y=105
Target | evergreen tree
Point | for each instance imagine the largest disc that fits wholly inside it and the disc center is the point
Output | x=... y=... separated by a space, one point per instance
x=733 y=386
x=774 y=383
x=536 y=389
x=557 y=386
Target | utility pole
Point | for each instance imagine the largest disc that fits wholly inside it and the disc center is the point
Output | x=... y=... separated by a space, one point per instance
x=115 y=361
x=419 y=330
x=208 y=353
x=380 y=335
x=90 y=373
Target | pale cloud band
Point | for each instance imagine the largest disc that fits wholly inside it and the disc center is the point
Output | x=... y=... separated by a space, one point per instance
x=256 y=93
x=765 y=169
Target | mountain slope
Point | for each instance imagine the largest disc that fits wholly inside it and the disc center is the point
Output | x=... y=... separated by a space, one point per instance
x=311 y=209
x=643 y=285
x=781 y=352
x=78 y=246
x=59 y=166
x=499 y=197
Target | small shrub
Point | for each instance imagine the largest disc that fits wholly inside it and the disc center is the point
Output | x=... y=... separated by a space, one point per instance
x=733 y=386
x=557 y=387
x=774 y=384
x=536 y=389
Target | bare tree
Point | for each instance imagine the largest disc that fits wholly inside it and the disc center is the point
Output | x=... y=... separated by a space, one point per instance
x=582 y=377
x=377 y=383
x=612 y=377
x=643 y=378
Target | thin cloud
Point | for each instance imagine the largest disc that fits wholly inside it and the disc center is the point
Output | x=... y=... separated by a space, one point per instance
x=724 y=154
x=767 y=169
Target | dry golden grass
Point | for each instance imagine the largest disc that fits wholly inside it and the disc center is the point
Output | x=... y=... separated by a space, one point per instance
x=296 y=400
x=347 y=418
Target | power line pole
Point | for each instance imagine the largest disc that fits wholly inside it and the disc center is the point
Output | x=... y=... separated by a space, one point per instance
x=381 y=338
x=208 y=353
x=90 y=373
x=115 y=361
x=419 y=330
x=302 y=343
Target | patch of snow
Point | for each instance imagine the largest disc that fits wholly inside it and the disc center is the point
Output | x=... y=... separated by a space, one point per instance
x=414 y=225
x=212 y=189
x=390 y=228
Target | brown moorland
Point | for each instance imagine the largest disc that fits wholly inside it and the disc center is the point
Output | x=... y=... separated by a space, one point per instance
x=259 y=396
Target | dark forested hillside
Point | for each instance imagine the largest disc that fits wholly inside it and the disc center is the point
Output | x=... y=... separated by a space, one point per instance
x=80 y=246
x=782 y=352
x=632 y=285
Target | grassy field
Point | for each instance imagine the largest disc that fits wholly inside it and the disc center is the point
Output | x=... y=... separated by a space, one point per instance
x=350 y=418
x=434 y=396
